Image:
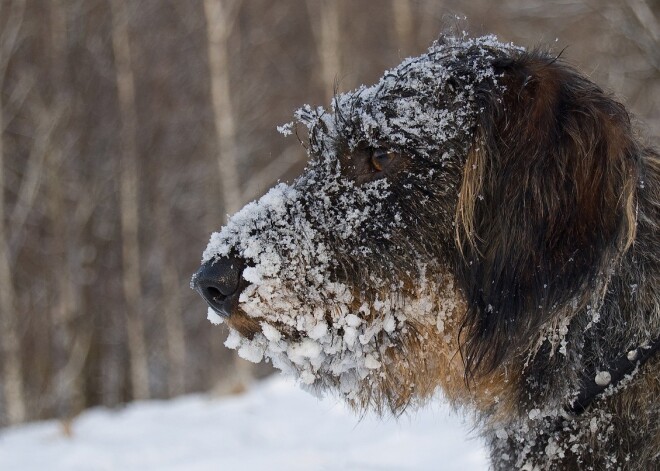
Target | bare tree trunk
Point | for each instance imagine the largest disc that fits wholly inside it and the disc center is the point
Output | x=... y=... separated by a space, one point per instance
x=170 y=283
x=129 y=201
x=403 y=23
x=325 y=26
x=220 y=17
x=12 y=378
x=176 y=343
x=71 y=343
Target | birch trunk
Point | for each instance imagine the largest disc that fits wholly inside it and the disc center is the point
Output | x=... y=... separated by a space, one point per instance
x=129 y=201
x=325 y=27
x=170 y=283
x=71 y=342
x=12 y=378
x=220 y=16
x=403 y=23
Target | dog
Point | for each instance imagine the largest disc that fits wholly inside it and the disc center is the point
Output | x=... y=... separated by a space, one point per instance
x=483 y=221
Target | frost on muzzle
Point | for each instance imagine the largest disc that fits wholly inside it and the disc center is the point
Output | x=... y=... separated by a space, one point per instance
x=327 y=277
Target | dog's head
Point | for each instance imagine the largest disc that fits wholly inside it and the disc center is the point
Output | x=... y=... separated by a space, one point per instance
x=447 y=214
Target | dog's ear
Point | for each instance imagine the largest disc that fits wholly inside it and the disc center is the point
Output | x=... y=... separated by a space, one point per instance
x=546 y=202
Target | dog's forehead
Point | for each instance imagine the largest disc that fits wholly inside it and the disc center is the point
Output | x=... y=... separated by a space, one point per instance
x=421 y=104
x=409 y=108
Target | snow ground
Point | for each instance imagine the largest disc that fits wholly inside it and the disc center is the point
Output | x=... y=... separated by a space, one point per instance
x=274 y=426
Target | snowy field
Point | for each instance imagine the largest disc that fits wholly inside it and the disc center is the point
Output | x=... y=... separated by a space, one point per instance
x=274 y=426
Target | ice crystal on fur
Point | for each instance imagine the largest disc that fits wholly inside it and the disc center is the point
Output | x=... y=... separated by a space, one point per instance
x=297 y=237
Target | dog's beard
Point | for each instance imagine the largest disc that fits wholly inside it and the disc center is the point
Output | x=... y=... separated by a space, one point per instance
x=315 y=325
x=328 y=343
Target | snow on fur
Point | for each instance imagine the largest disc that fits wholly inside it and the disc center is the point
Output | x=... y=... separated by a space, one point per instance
x=313 y=326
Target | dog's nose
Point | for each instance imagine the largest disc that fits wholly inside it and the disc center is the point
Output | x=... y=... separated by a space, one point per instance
x=219 y=282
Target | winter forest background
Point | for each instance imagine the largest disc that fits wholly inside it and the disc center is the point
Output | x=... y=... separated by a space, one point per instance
x=130 y=128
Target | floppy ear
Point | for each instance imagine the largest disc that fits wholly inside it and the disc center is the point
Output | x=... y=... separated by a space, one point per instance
x=547 y=202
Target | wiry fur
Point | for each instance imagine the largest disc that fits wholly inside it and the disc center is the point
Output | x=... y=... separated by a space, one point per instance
x=539 y=225
x=564 y=233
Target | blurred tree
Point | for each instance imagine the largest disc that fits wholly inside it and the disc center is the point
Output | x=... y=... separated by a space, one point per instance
x=70 y=343
x=402 y=13
x=9 y=336
x=220 y=17
x=129 y=200
x=327 y=37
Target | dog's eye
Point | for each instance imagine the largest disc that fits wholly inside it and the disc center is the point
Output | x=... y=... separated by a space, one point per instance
x=452 y=84
x=381 y=158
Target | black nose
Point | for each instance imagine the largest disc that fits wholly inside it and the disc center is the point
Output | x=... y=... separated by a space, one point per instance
x=220 y=283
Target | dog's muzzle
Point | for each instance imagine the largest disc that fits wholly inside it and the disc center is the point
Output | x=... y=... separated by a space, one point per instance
x=220 y=282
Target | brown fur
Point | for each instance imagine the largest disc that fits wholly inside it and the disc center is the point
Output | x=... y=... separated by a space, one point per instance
x=544 y=227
